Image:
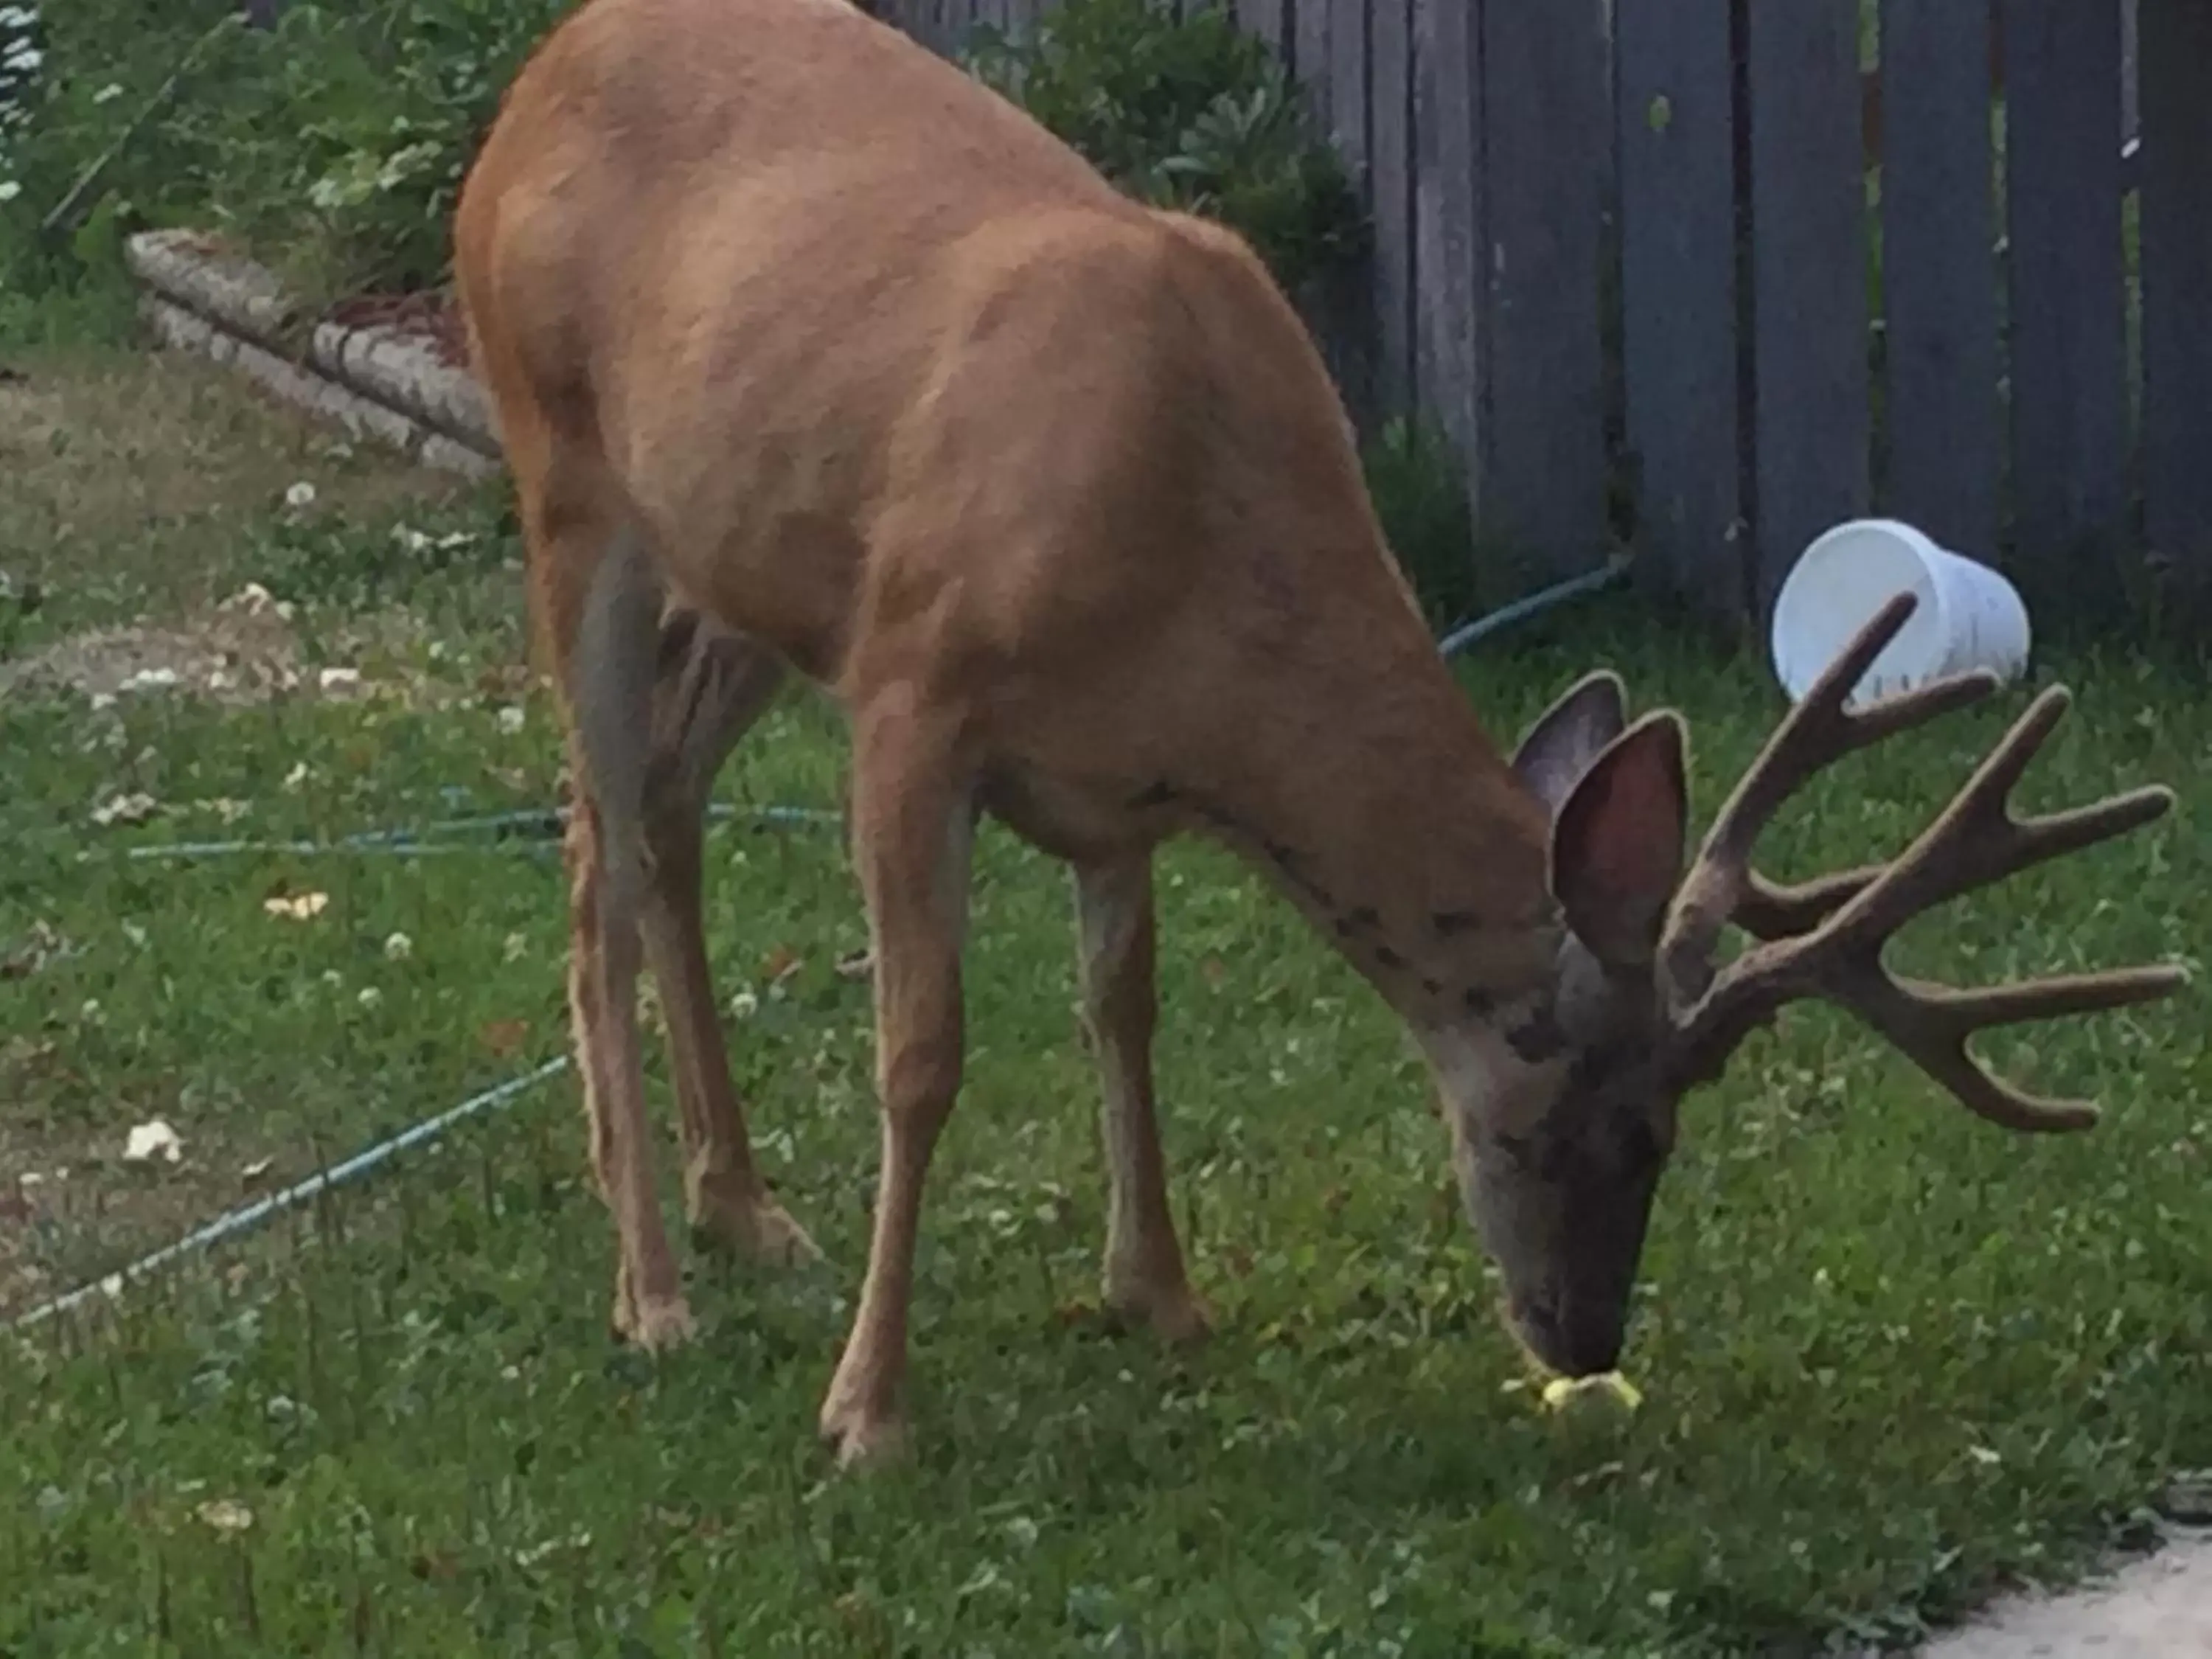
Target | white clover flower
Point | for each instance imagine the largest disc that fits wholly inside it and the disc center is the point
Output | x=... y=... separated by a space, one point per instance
x=226 y=1515
x=152 y=1139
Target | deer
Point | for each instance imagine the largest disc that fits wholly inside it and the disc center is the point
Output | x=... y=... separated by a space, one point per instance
x=814 y=360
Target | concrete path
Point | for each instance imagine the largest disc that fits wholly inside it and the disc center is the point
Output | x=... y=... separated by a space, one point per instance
x=2159 y=1608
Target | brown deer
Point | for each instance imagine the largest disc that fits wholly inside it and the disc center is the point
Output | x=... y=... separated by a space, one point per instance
x=808 y=351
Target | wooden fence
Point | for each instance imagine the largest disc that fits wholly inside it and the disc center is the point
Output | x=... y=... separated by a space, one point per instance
x=1750 y=266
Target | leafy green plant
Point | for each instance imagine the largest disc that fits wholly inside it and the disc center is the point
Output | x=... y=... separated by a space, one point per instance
x=397 y=123
x=1419 y=487
x=1187 y=113
x=22 y=53
x=332 y=145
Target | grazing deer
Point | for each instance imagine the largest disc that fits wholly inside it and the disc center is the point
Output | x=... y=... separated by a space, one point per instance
x=808 y=351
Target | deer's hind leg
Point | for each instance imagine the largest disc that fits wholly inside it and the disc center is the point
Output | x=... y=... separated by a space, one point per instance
x=600 y=603
x=711 y=687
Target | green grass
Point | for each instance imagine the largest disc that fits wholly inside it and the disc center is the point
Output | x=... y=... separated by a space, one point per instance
x=1892 y=1356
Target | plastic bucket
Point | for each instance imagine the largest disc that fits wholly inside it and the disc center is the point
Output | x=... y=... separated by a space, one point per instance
x=1969 y=616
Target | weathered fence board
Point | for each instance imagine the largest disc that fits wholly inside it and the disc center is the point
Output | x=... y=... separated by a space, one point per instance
x=1310 y=40
x=2177 y=283
x=2130 y=81
x=1944 y=453
x=1349 y=328
x=1678 y=293
x=1809 y=277
x=1446 y=216
x=944 y=22
x=1391 y=141
x=1545 y=118
x=1269 y=20
x=2068 y=324
x=1347 y=82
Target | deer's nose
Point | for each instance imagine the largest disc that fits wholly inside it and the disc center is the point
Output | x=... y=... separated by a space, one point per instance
x=1590 y=1348
x=1573 y=1343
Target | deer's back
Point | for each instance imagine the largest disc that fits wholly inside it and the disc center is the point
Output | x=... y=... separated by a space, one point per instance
x=803 y=293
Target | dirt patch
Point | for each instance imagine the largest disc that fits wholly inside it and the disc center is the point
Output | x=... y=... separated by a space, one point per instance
x=146 y=477
x=73 y=1207
x=242 y=652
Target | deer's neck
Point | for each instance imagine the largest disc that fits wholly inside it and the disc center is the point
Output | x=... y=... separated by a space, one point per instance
x=1384 y=812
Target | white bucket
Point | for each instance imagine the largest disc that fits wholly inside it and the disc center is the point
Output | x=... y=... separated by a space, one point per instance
x=1969 y=616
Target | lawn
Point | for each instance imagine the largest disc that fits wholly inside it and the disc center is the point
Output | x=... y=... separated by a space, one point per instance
x=1893 y=1356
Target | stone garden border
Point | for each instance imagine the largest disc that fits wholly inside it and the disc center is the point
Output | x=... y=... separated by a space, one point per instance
x=375 y=381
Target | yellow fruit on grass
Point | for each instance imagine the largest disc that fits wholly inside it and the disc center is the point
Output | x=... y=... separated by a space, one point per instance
x=1589 y=1396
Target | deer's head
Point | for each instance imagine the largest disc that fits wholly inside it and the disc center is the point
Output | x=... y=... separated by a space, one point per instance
x=1562 y=1097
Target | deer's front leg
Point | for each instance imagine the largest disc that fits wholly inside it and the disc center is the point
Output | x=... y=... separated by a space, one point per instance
x=1145 y=1279
x=914 y=821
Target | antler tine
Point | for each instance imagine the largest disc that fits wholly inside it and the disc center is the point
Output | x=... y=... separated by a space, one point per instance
x=1929 y=1024
x=1976 y=841
x=1720 y=885
x=1973 y=842
x=1771 y=910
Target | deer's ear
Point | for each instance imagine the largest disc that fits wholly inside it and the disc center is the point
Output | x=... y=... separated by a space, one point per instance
x=1569 y=736
x=1617 y=843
